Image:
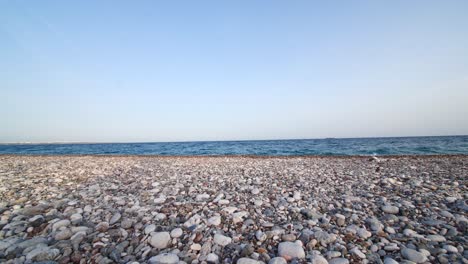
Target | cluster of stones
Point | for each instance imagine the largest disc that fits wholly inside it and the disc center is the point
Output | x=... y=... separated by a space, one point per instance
x=246 y=210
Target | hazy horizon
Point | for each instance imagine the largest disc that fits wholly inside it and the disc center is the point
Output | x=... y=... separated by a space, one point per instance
x=113 y=71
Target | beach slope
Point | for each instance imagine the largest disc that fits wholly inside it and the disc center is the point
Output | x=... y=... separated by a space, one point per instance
x=117 y=209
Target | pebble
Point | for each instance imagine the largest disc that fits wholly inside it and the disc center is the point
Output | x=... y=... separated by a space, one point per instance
x=290 y=250
x=390 y=261
x=339 y=261
x=63 y=235
x=164 y=258
x=413 y=255
x=247 y=261
x=451 y=249
x=362 y=232
x=222 y=240
x=177 y=232
x=149 y=229
x=357 y=252
x=214 y=221
x=216 y=210
x=115 y=218
x=318 y=259
x=212 y=258
x=390 y=209
x=277 y=260
x=160 y=240
x=436 y=238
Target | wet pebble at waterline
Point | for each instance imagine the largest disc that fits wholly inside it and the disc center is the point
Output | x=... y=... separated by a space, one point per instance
x=233 y=209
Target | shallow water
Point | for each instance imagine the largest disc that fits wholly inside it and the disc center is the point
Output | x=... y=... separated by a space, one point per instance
x=344 y=146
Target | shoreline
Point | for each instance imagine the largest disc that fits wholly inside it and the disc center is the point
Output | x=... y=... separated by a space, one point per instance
x=233 y=209
x=239 y=156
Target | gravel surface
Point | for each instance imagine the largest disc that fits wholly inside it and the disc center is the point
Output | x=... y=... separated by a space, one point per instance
x=104 y=209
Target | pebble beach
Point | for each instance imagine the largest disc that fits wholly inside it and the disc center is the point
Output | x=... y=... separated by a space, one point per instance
x=233 y=209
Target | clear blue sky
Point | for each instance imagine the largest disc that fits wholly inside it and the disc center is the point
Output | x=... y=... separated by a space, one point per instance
x=220 y=70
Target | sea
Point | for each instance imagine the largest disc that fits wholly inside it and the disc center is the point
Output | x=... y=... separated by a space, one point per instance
x=295 y=147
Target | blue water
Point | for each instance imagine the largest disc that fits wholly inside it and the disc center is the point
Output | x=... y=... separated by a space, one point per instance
x=345 y=146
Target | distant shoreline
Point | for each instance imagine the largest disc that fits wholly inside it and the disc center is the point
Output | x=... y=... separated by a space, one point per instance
x=208 y=141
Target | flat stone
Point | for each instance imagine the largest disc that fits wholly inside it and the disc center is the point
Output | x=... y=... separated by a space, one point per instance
x=436 y=238
x=390 y=209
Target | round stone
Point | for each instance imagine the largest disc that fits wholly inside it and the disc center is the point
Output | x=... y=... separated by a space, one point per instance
x=290 y=250
x=176 y=232
x=160 y=240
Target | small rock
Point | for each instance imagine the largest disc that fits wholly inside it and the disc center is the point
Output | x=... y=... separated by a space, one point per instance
x=390 y=209
x=63 y=235
x=164 y=258
x=436 y=238
x=115 y=218
x=160 y=240
x=355 y=251
x=177 y=232
x=76 y=218
x=102 y=227
x=413 y=255
x=338 y=261
x=277 y=260
x=290 y=250
x=222 y=240
x=451 y=249
x=214 y=221
x=318 y=259
x=390 y=261
x=247 y=261
x=149 y=228
x=212 y=258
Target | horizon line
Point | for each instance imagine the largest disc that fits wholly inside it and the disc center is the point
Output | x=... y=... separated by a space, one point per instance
x=200 y=141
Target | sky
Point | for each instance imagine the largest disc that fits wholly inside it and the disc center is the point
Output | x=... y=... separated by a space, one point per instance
x=138 y=71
